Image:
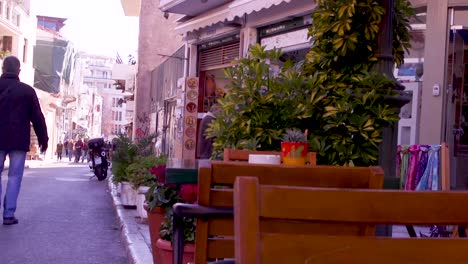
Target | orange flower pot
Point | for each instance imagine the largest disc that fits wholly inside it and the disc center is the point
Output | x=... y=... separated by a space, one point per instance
x=294 y=153
x=165 y=252
x=155 y=218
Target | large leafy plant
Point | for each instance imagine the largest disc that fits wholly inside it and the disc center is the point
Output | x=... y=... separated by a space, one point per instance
x=350 y=118
x=264 y=98
x=128 y=152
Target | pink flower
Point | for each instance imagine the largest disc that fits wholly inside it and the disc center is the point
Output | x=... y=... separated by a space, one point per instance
x=189 y=193
x=160 y=173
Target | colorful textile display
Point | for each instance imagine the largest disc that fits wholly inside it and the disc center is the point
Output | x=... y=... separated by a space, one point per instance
x=418 y=167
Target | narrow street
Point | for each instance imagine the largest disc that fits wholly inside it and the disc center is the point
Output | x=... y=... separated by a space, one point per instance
x=64 y=217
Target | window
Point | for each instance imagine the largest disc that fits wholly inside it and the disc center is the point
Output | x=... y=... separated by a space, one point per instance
x=1 y=8
x=120 y=116
x=104 y=74
x=15 y=19
x=92 y=73
x=7 y=44
x=7 y=13
x=114 y=102
x=25 y=50
x=113 y=115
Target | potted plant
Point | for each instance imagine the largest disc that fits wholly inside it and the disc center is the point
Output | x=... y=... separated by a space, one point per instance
x=266 y=96
x=126 y=153
x=162 y=249
x=141 y=178
x=164 y=245
x=294 y=147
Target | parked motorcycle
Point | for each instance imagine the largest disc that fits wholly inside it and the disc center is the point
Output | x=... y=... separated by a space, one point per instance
x=98 y=155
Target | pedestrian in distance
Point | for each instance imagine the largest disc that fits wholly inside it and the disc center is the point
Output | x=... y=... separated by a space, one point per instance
x=78 y=150
x=59 y=150
x=19 y=107
x=70 y=150
x=65 y=146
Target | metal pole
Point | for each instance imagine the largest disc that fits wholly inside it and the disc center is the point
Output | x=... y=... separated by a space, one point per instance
x=386 y=65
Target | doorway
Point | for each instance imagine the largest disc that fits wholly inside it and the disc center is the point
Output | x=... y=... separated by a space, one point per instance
x=456 y=106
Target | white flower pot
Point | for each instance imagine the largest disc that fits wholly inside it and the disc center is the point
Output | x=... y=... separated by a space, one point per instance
x=141 y=201
x=128 y=195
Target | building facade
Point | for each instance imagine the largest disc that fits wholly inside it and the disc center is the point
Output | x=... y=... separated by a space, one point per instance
x=54 y=63
x=217 y=32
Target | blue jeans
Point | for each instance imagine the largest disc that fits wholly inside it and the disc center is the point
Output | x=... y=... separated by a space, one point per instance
x=15 y=176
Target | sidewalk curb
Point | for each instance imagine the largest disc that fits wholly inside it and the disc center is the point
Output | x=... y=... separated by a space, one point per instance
x=138 y=251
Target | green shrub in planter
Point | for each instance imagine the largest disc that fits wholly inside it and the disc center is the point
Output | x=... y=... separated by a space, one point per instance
x=138 y=172
x=264 y=98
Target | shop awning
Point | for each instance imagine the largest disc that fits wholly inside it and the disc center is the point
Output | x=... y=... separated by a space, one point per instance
x=227 y=12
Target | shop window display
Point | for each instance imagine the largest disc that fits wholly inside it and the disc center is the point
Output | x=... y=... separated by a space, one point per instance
x=214 y=87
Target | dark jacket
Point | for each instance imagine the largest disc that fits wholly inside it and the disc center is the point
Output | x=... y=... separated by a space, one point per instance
x=205 y=146
x=19 y=107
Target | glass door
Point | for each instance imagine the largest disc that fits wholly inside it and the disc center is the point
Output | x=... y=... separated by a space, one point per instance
x=456 y=127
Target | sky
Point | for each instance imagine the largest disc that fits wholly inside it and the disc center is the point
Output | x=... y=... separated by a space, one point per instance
x=98 y=27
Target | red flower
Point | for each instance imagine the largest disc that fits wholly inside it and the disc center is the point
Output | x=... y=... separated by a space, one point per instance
x=160 y=173
x=189 y=193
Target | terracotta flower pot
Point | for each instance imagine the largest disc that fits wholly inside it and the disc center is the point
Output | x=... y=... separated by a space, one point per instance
x=155 y=218
x=165 y=252
x=294 y=153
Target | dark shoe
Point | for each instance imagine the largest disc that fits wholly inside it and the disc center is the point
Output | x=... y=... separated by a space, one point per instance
x=10 y=221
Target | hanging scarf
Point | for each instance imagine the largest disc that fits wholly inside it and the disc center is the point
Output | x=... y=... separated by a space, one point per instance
x=430 y=178
x=412 y=168
x=422 y=162
x=435 y=168
x=404 y=165
x=398 y=162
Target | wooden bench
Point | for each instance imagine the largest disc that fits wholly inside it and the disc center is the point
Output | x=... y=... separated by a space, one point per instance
x=243 y=155
x=257 y=205
x=215 y=226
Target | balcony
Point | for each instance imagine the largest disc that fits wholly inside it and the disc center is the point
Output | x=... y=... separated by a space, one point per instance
x=131 y=7
x=190 y=7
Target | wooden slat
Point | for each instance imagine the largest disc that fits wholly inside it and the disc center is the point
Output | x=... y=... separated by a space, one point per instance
x=225 y=227
x=219 y=248
x=246 y=208
x=327 y=176
x=364 y=206
x=201 y=237
x=295 y=249
x=221 y=198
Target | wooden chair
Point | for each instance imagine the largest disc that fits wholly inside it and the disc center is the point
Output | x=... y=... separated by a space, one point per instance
x=243 y=155
x=215 y=226
x=258 y=205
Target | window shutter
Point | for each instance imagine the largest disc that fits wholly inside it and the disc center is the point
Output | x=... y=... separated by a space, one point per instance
x=218 y=57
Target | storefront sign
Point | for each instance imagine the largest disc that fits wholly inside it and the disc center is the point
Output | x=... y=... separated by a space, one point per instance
x=285 y=26
x=286 y=40
x=190 y=117
x=219 y=42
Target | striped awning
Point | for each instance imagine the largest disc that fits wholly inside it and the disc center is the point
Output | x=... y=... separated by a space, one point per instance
x=229 y=12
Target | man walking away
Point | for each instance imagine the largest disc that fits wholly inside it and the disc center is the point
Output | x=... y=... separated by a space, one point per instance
x=59 y=150
x=19 y=107
x=78 y=148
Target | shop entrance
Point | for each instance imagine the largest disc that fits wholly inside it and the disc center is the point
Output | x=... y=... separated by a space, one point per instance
x=456 y=106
